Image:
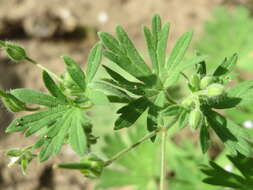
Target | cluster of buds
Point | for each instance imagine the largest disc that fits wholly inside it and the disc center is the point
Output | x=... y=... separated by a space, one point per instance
x=205 y=87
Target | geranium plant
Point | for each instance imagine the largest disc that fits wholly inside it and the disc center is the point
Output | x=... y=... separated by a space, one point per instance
x=60 y=117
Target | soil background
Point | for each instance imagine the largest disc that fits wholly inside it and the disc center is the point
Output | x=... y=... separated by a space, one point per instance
x=49 y=29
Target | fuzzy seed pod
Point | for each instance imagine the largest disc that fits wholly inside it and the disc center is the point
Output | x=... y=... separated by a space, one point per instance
x=206 y=81
x=16 y=53
x=195 y=119
x=215 y=90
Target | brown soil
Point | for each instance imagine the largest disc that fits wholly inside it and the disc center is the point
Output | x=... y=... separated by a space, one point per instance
x=51 y=28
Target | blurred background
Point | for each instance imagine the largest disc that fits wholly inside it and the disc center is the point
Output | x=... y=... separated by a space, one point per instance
x=49 y=29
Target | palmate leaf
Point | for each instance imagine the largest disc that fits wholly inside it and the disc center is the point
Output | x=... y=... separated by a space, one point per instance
x=216 y=175
x=226 y=66
x=53 y=88
x=36 y=97
x=94 y=60
x=179 y=50
x=130 y=113
x=139 y=169
x=57 y=123
x=62 y=122
x=235 y=138
x=75 y=72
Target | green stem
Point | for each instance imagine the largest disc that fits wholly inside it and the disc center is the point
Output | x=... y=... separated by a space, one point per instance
x=44 y=69
x=140 y=141
x=163 y=159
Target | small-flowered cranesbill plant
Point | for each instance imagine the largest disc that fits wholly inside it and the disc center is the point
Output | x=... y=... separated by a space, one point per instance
x=60 y=117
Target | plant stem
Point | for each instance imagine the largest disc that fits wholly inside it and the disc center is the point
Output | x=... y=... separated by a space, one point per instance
x=140 y=141
x=44 y=69
x=163 y=159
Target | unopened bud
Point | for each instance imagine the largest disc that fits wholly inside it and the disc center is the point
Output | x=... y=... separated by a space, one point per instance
x=206 y=81
x=215 y=90
x=15 y=52
x=195 y=119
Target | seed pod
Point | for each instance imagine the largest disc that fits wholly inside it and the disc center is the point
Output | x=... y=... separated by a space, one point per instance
x=195 y=119
x=15 y=52
x=96 y=166
x=206 y=81
x=215 y=90
x=195 y=81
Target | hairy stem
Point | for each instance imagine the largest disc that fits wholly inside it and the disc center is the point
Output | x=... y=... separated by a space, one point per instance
x=163 y=159
x=44 y=69
x=140 y=141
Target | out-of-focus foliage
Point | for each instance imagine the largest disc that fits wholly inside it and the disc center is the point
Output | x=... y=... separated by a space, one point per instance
x=228 y=31
x=140 y=168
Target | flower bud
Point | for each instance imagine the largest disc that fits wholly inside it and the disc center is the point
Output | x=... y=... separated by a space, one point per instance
x=16 y=53
x=215 y=90
x=206 y=81
x=195 y=119
x=195 y=81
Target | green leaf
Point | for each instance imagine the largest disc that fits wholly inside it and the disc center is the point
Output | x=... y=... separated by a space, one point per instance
x=204 y=138
x=97 y=97
x=221 y=177
x=233 y=136
x=110 y=42
x=156 y=27
x=94 y=60
x=153 y=112
x=35 y=97
x=243 y=164
x=162 y=45
x=142 y=71
x=174 y=74
x=183 y=119
x=172 y=110
x=133 y=87
x=226 y=66
x=151 y=48
x=35 y=118
x=130 y=113
x=75 y=72
x=12 y=103
x=179 y=50
x=111 y=90
x=77 y=138
x=46 y=151
x=53 y=88
x=2 y=43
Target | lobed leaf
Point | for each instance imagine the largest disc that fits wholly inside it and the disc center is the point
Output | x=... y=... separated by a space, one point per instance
x=36 y=97
x=226 y=66
x=130 y=113
x=75 y=72
x=94 y=60
x=179 y=50
x=53 y=88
